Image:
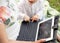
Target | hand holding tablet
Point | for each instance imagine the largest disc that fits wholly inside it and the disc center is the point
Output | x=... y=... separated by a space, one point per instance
x=33 y=31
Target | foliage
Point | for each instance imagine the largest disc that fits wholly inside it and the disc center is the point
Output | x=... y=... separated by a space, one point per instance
x=55 y=4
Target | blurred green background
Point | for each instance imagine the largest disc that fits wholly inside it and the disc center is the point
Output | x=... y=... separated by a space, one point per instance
x=55 y=4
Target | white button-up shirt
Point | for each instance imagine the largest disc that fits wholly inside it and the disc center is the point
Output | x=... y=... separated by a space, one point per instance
x=36 y=8
x=24 y=8
x=21 y=8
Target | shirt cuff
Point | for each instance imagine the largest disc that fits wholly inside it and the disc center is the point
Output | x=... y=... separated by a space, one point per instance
x=41 y=15
x=21 y=16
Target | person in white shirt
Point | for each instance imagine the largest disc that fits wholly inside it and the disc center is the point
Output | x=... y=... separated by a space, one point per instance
x=32 y=9
x=3 y=36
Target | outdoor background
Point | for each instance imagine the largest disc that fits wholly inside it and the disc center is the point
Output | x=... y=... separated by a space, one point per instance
x=55 y=4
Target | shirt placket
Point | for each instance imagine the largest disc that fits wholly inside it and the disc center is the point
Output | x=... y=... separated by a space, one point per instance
x=32 y=10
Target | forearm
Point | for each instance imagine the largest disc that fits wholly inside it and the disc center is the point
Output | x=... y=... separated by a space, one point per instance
x=3 y=36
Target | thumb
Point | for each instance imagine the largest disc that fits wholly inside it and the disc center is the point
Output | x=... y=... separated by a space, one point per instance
x=41 y=41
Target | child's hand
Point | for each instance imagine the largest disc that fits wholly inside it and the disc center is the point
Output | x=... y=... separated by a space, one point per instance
x=35 y=18
x=26 y=18
x=4 y=14
x=40 y=41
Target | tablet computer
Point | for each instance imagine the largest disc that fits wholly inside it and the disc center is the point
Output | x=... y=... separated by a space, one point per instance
x=28 y=31
x=33 y=31
x=45 y=30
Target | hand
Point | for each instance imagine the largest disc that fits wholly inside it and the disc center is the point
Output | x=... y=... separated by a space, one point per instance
x=35 y=18
x=58 y=37
x=26 y=18
x=40 y=41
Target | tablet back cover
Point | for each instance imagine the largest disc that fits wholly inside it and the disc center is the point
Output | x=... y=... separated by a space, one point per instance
x=28 y=31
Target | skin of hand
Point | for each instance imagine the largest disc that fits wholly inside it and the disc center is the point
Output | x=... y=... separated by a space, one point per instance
x=26 y=18
x=58 y=37
x=39 y=41
x=3 y=35
x=35 y=18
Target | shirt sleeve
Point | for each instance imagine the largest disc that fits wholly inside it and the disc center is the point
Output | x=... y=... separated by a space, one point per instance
x=21 y=11
x=40 y=13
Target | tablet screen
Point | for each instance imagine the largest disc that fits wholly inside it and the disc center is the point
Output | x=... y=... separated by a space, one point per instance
x=45 y=30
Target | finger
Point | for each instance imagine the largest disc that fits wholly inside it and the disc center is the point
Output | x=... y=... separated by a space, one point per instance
x=33 y=20
x=41 y=40
x=27 y=20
